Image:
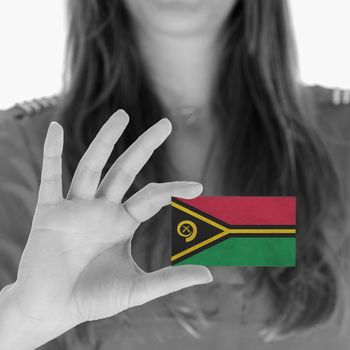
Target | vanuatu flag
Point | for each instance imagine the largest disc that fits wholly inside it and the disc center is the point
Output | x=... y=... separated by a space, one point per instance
x=233 y=231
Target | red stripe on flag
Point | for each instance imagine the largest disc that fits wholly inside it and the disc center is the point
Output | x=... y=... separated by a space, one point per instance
x=247 y=210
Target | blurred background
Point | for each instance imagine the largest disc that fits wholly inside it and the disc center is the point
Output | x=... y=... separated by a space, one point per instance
x=32 y=36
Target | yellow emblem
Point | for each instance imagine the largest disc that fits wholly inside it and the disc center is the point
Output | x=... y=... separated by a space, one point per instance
x=187 y=229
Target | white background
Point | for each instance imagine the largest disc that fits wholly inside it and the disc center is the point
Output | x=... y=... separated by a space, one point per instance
x=32 y=35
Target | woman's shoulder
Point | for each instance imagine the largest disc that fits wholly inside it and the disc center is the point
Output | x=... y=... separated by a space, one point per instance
x=330 y=97
x=23 y=126
x=331 y=113
x=35 y=112
x=22 y=133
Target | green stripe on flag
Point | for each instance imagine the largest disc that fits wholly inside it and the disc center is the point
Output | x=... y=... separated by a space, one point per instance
x=247 y=251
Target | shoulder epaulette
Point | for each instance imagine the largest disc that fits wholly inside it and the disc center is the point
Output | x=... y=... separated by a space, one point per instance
x=340 y=96
x=331 y=96
x=35 y=106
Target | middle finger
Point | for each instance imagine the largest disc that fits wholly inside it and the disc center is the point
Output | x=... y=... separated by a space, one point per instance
x=123 y=172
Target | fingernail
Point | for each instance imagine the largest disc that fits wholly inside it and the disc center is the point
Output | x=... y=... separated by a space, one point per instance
x=197 y=187
x=165 y=122
x=194 y=183
x=54 y=124
x=55 y=128
x=207 y=276
x=121 y=115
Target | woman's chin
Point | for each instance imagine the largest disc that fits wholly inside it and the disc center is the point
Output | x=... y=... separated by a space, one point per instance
x=180 y=21
x=181 y=17
x=175 y=5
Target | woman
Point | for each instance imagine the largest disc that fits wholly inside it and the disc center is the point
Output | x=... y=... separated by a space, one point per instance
x=223 y=72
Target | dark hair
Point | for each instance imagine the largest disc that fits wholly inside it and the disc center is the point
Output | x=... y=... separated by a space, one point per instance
x=272 y=146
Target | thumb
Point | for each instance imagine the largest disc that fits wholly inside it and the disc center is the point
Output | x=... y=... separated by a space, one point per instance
x=168 y=280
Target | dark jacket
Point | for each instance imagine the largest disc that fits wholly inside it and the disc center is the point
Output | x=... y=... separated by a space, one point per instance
x=22 y=133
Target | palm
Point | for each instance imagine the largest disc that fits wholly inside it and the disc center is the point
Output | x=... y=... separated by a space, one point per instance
x=90 y=256
x=77 y=264
x=105 y=286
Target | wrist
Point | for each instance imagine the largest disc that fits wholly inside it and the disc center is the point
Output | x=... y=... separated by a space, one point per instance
x=12 y=327
x=18 y=330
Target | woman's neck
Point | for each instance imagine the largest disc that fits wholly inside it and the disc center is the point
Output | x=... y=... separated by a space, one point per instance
x=182 y=69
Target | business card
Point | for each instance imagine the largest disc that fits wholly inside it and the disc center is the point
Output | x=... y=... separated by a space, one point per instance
x=233 y=231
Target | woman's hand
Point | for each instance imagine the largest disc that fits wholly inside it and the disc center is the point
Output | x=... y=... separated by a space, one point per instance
x=77 y=264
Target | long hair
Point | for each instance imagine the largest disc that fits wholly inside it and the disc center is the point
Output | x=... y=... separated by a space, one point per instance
x=271 y=145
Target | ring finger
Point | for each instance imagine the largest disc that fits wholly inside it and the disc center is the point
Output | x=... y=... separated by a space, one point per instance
x=88 y=173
